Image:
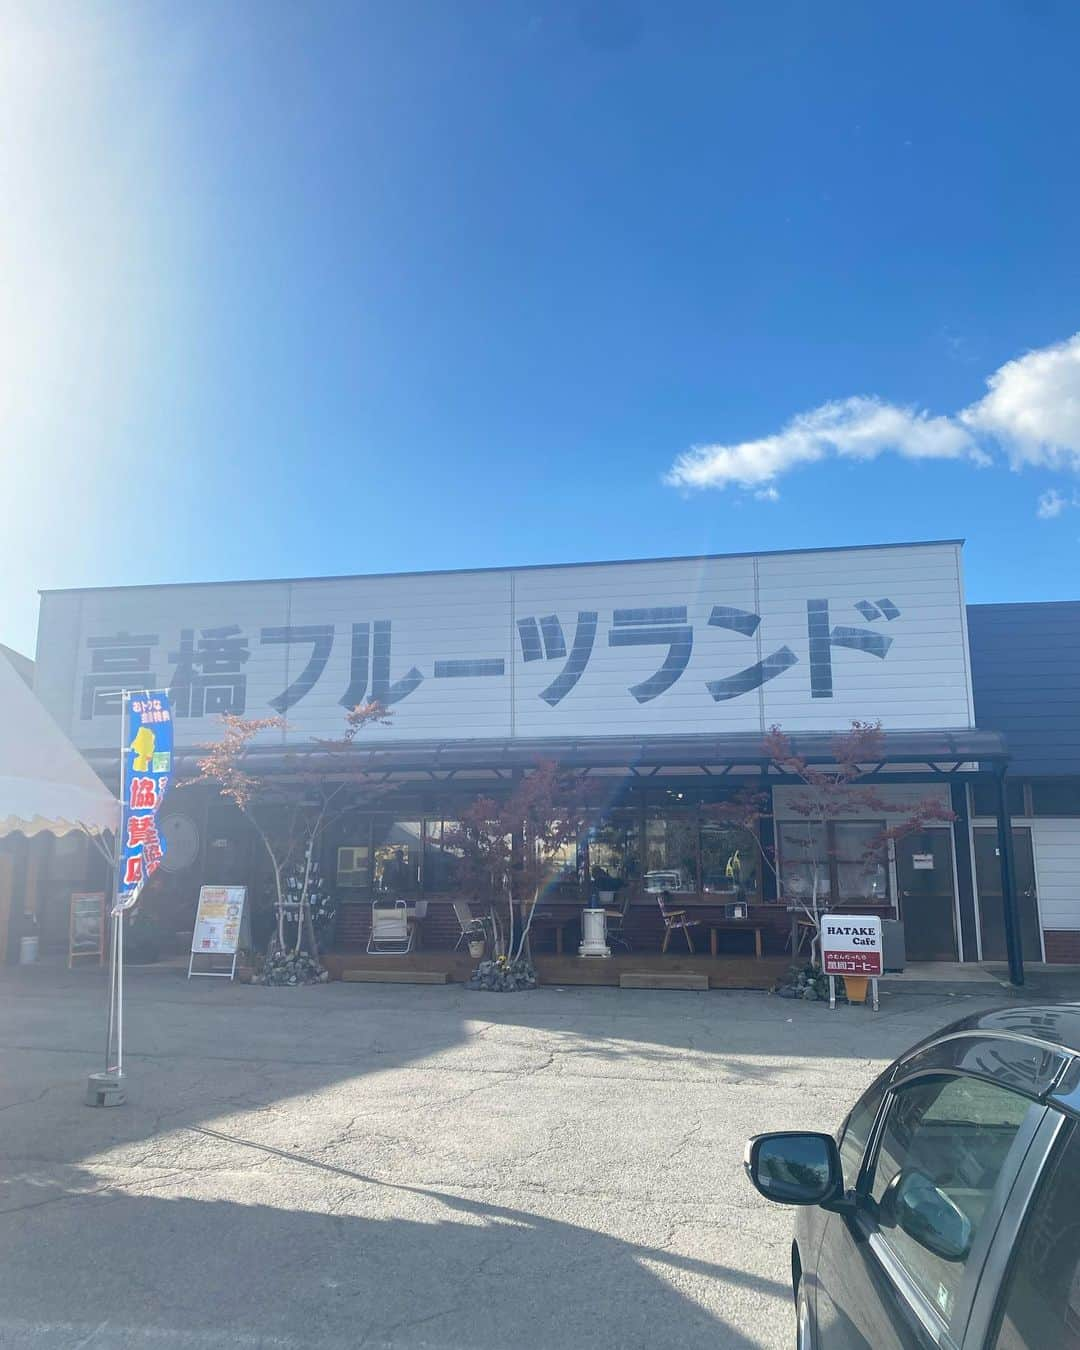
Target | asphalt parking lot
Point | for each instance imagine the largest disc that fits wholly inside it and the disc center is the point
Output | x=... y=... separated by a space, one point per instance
x=411 y=1167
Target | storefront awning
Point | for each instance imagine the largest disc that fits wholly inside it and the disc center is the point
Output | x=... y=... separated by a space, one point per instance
x=947 y=751
x=45 y=784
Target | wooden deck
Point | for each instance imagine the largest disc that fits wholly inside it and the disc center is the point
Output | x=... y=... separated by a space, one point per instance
x=457 y=966
x=722 y=972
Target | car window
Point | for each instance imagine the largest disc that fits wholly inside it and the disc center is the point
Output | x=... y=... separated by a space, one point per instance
x=855 y=1133
x=1040 y=1303
x=943 y=1146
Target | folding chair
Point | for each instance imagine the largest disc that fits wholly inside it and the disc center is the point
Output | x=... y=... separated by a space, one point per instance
x=468 y=924
x=392 y=931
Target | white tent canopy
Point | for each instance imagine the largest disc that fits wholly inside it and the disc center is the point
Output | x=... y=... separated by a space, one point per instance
x=45 y=784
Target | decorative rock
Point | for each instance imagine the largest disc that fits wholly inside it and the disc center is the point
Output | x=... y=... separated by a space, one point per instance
x=284 y=968
x=502 y=976
x=809 y=983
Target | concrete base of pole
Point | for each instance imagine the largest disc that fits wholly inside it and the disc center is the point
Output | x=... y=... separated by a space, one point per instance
x=105 y=1089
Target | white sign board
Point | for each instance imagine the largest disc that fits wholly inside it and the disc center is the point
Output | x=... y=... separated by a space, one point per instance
x=922 y=862
x=221 y=925
x=851 y=944
x=668 y=647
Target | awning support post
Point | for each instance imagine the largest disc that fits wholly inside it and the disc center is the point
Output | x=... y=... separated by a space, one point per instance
x=1007 y=862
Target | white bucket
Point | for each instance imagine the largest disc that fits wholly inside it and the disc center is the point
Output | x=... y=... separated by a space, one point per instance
x=28 y=950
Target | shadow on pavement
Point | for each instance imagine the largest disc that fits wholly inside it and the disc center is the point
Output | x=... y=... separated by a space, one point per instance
x=455 y=1273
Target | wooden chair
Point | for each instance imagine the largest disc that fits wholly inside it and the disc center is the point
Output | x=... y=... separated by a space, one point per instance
x=803 y=935
x=674 y=920
x=392 y=931
x=616 y=922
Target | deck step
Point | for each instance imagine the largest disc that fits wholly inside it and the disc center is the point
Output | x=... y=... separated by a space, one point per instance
x=630 y=979
x=388 y=976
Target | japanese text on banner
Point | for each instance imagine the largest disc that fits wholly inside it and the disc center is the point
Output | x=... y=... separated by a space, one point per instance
x=144 y=781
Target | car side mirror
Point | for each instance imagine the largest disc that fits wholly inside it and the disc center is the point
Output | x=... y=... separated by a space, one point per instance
x=795 y=1168
x=928 y=1216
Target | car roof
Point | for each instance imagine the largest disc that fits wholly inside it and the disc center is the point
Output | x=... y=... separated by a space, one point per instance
x=1054 y=1024
x=1049 y=1031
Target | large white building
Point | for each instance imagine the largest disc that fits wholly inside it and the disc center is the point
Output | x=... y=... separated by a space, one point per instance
x=660 y=677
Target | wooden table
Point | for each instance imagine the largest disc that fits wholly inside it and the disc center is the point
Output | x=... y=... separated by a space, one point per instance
x=552 y=923
x=735 y=926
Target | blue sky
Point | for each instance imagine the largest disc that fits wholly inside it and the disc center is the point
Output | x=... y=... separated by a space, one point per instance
x=330 y=288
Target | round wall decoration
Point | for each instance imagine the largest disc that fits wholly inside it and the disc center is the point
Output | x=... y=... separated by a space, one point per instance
x=181 y=841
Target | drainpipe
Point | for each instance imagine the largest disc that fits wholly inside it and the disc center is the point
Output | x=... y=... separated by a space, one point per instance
x=1013 y=941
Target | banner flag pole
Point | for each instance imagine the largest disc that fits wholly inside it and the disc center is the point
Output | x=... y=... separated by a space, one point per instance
x=146 y=749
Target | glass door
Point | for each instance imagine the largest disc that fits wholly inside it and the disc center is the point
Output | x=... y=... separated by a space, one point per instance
x=988 y=879
x=924 y=873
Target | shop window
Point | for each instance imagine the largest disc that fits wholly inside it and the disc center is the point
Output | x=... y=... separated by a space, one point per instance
x=984 y=797
x=729 y=860
x=1055 y=797
x=354 y=867
x=673 y=798
x=440 y=855
x=613 y=853
x=671 y=845
x=397 y=858
x=842 y=859
x=563 y=867
x=804 y=860
x=68 y=860
x=860 y=862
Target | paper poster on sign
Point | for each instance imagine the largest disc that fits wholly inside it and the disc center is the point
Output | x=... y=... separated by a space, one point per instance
x=851 y=944
x=219 y=921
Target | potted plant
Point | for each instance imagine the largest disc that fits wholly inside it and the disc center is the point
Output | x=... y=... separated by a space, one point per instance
x=605 y=885
x=477 y=940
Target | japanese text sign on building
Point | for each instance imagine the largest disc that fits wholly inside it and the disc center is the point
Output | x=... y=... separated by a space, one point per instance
x=851 y=944
x=657 y=647
x=144 y=780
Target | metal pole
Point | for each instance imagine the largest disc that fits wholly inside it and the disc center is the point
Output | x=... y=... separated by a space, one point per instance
x=120 y=995
x=1007 y=863
x=112 y=988
x=106 y=1089
x=116 y=1011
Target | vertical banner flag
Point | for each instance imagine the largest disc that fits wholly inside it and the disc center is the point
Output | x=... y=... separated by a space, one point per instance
x=144 y=780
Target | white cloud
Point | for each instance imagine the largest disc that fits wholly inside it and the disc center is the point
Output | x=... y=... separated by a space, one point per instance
x=767 y=494
x=1051 y=503
x=852 y=428
x=1033 y=407
x=1031 y=413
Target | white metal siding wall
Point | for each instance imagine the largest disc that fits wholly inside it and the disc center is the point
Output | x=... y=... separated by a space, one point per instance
x=921 y=683
x=1057 y=871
